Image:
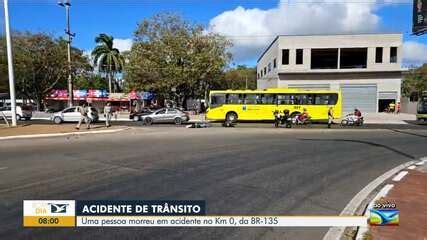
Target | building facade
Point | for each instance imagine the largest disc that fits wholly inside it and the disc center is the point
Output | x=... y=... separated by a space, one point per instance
x=366 y=67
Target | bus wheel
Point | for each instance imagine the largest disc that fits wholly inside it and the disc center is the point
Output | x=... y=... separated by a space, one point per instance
x=231 y=117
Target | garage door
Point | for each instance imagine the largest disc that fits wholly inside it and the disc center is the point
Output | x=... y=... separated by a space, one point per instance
x=387 y=95
x=359 y=96
x=309 y=86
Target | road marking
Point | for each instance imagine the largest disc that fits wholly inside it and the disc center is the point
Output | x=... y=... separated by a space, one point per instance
x=382 y=193
x=351 y=208
x=419 y=163
x=3 y=168
x=412 y=167
x=399 y=176
x=62 y=134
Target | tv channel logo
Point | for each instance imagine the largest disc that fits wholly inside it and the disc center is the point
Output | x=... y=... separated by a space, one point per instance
x=384 y=217
x=58 y=208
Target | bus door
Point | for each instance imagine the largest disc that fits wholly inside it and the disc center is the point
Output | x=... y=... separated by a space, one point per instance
x=268 y=104
x=250 y=109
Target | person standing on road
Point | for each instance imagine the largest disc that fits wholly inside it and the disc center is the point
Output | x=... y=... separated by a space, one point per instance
x=330 y=116
x=391 y=107
x=83 y=110
x=398 y=108
x=107 y=114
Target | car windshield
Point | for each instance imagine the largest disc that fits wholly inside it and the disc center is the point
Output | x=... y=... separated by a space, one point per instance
x=27 y=107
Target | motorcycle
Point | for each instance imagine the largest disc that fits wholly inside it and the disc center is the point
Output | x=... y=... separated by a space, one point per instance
x=352 y=120
x=299 y=120
x=282 y=120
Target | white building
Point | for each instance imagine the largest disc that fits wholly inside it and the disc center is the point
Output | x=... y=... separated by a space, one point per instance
x=366 y=67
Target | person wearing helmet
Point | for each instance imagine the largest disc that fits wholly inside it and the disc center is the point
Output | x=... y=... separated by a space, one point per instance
x=357 y=112
x=304 y=115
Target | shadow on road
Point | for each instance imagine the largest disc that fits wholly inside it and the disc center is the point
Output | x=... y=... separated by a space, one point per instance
x=409 y=133
x=362 y=142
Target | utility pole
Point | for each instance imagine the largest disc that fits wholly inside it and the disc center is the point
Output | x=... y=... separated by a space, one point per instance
x=10 y=63
x=66 y=4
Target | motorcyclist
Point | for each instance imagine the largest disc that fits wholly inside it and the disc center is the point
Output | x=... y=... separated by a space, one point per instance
x=303 y=116
x=277 y=118
x=357 y=115
x=285 y=119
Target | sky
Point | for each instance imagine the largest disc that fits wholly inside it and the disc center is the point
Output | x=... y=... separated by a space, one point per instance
x=250 y=24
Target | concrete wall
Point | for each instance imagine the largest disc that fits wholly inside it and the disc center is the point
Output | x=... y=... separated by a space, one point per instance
x=268 y=58
x=384 y=81
x=408 y=107
x=307 y=42
x=370 y=41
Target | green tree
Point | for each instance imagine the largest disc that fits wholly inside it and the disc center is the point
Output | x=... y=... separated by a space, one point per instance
x=40 y=64
x=4 y=85
x=415 y=82
x=90 y=80
x=170 y=53
x=241 y=77
x=107 y=58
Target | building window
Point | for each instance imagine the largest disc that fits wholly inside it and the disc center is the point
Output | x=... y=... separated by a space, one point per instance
x=353 y=58
x=285 y=56
x=299 y=56
x=265 y=70
x=379 y=55
x=261 y=72
x=269 y=67
x=325 y=58
x=274 y=63
x=393 y=54
x=258 y=76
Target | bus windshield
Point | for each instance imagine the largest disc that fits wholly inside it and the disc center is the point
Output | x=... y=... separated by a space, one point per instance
x=217 y=100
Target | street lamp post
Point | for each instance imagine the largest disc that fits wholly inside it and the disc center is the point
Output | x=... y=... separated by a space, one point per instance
x=10 y=63
x=66 y=4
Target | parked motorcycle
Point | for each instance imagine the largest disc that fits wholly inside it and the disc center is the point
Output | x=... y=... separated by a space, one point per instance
x=282 y=119
x=352 y=120
x=300 y=120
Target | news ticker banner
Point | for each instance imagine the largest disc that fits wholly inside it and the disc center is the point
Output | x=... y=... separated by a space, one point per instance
x=175 y=213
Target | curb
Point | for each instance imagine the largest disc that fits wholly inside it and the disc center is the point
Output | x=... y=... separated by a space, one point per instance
x=335 y=233
x=61 y=134
x=361 y=231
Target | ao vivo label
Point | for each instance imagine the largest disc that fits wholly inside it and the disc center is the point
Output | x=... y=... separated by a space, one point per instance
x=49 y=213
x=384 y=214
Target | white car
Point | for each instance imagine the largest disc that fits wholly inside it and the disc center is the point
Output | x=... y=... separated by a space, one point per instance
x=71 y=114
x=22 y=112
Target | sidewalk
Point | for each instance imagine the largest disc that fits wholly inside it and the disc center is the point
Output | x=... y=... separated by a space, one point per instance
x=410 y=196
x=388 y=118
x=32 y=129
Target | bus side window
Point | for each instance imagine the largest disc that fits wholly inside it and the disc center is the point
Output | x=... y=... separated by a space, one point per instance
x=217 y=100
x=233 y=98
x=250 y=99
x=333 y=97
x=268 y=99
x=326 y=99
x=285 y=99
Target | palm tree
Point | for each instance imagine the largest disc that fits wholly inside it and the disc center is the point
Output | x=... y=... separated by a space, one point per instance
x=107 y=58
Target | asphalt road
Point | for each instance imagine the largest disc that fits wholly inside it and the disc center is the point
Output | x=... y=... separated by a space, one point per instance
x=236 y=170
x=266 y=124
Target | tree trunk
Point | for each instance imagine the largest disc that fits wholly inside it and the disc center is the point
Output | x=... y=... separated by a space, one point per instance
x=109 y=82
x=184 y=102
x=39 y=104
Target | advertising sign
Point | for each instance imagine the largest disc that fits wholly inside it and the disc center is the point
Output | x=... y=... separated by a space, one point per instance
x=419 y=18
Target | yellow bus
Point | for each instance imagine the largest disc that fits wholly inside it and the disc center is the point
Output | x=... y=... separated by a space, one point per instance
x=254 y=105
